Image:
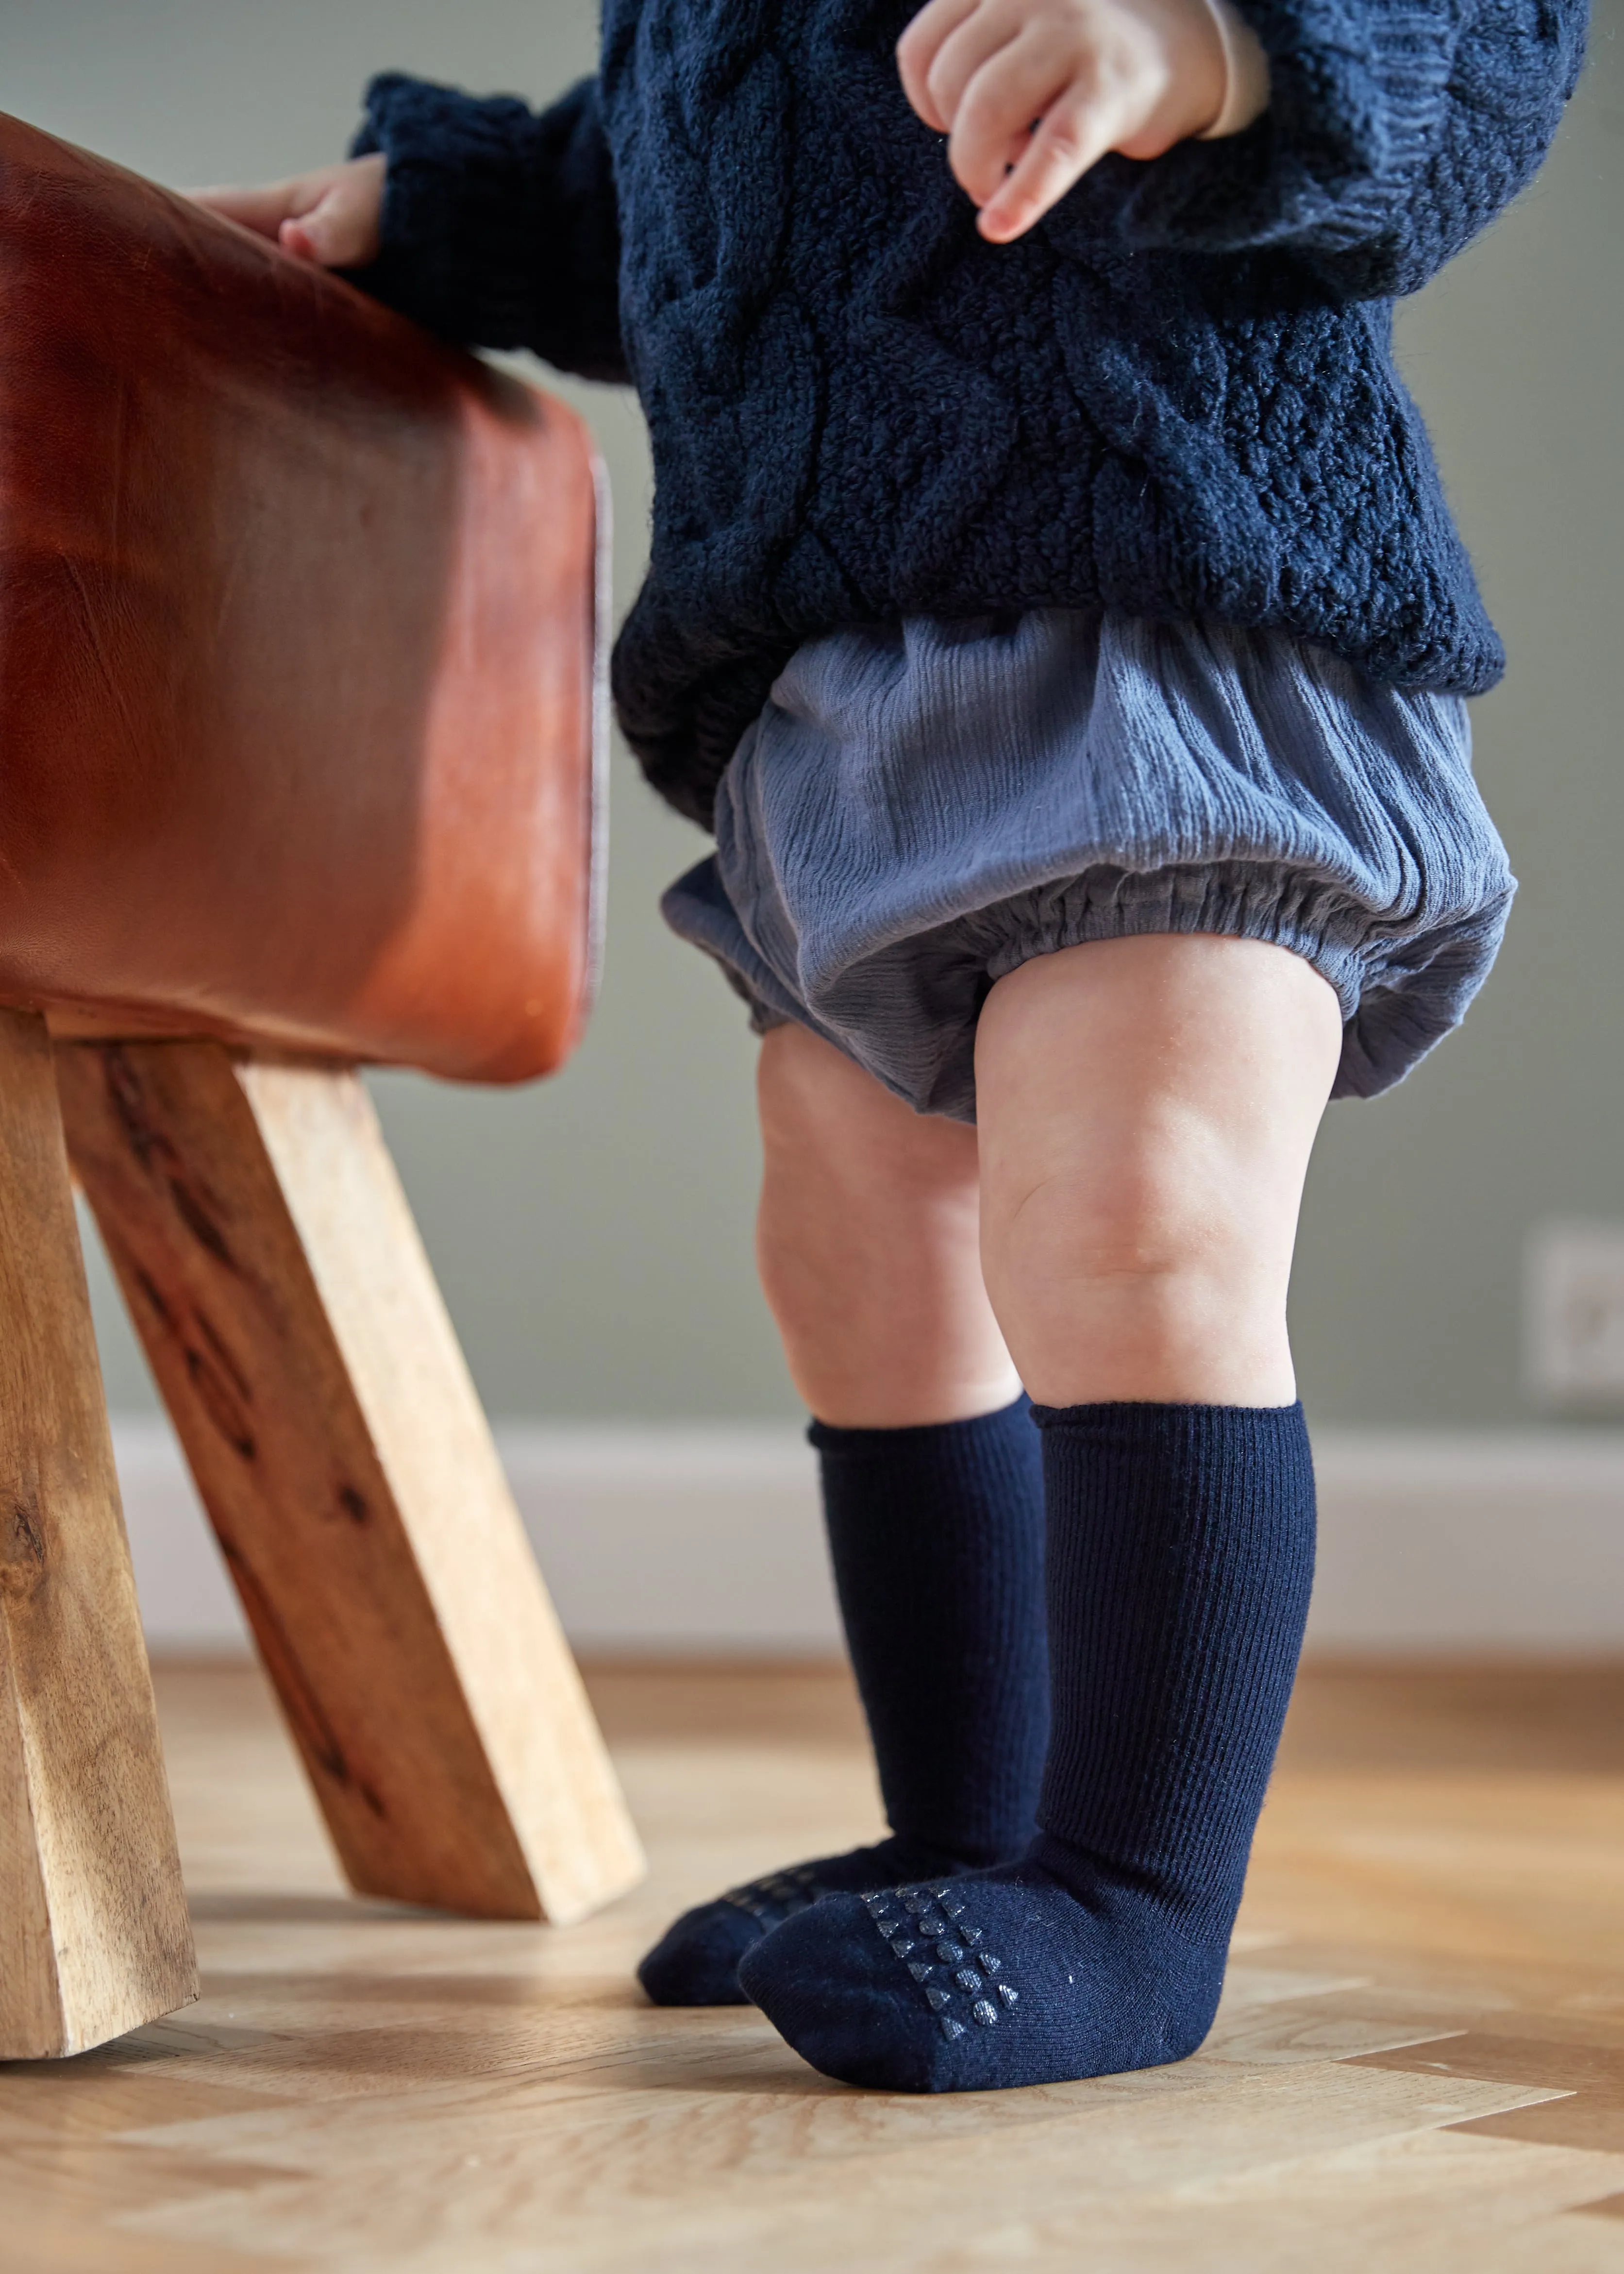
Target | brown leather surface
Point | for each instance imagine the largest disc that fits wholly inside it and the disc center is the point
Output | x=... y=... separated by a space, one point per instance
x=296 y=650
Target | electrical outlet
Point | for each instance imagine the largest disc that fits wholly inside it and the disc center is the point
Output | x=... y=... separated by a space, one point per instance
x=1574 y=1316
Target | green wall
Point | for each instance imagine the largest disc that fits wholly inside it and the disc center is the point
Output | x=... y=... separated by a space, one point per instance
x=1407 y=1287
x=593 y=1235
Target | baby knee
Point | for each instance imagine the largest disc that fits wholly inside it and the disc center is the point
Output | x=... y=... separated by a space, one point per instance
x=1136 y=1289
x=1134 y=1227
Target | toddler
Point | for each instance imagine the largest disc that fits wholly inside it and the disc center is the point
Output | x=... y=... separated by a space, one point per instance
x=1055 y=613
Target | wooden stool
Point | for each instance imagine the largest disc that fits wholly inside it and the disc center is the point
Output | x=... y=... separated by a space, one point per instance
x=300 y=695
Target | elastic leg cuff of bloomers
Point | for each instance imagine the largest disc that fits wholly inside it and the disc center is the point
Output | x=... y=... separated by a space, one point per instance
x=1396 y=1001
x=908 y=1012
x=919 y=809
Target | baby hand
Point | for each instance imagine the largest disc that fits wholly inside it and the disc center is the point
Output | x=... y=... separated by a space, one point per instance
x=333 y=216
x=1031 y=93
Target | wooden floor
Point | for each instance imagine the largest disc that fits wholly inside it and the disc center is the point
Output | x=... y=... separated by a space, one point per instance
x=1419 y=2068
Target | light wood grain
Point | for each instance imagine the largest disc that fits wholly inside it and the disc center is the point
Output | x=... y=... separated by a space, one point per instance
x=94 y=1933
x=364 y=2089
x=273 y=1272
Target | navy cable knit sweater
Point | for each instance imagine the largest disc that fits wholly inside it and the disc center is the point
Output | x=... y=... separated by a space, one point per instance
x=1174 y=396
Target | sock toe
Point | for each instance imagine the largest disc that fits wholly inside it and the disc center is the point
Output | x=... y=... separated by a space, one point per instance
x=834 y=1991
x=995 y=1979
x=696 y=1962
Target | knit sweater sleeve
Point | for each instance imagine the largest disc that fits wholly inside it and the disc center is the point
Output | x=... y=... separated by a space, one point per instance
x=1396 y=129
x=499 y=226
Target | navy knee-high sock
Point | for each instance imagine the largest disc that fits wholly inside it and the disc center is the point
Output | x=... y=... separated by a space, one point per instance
x=1180 y=1555
x=936 y=1539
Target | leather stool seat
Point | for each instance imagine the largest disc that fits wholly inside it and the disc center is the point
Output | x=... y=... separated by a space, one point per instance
x=299 y=687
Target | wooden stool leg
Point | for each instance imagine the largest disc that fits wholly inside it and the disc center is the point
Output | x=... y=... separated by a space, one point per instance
x=275 y=1276
x=94 y=1933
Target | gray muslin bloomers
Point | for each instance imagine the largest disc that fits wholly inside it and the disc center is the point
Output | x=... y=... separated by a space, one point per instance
x=919 y=809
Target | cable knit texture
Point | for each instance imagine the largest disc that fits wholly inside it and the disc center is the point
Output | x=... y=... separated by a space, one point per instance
x=1175 y=397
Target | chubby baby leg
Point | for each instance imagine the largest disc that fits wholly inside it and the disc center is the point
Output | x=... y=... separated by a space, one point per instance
x=868 y=1241
x=1147 y=1107
x=932 y=1491
x=1146 y=1111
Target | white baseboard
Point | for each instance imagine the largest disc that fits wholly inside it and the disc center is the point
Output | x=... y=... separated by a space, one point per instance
x=707 y=1541
x=1486 y=1541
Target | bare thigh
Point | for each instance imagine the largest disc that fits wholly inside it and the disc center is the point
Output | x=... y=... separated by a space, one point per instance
x=1123 y=1226
x=869 y=1245
x=1147 y=1107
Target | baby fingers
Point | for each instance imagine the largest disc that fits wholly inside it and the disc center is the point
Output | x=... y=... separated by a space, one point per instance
x=261 y=209
x=918 y=49
x=1033 y=92
x=331 y=216
x=1035 y=78
x=1074 y=132
x=340 y=229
